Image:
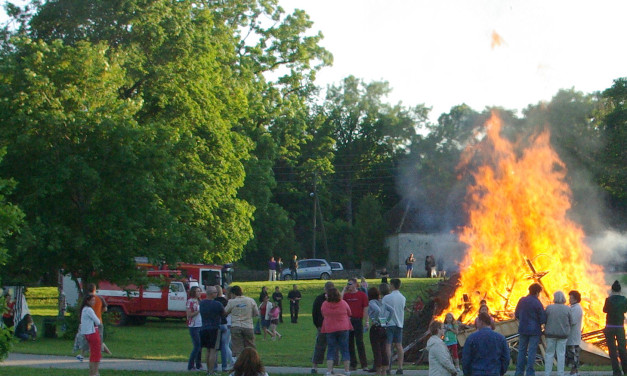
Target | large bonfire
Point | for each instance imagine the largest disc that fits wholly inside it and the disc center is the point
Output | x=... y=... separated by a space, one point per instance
x=519 y=231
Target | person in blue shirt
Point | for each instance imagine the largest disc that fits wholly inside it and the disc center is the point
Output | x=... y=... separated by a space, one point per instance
x=531 y=315
x=485 y=351
x=211 y=312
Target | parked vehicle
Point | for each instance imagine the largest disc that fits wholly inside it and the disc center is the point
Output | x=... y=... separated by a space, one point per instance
x=310 y=269
x=336 y=266
x=165 y=295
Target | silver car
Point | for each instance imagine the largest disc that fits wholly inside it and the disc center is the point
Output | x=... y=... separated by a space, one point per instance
x=310 y=269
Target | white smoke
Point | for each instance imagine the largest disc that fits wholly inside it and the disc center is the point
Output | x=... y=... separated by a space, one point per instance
x=609 y=249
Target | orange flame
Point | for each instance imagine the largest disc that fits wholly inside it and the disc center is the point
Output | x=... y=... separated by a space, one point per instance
x=518 y=220
x=497 y=40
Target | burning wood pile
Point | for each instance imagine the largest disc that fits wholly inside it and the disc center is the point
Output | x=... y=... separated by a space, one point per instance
x=519 y=233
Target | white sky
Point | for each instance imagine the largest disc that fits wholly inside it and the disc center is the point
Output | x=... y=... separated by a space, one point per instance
x=438 y=52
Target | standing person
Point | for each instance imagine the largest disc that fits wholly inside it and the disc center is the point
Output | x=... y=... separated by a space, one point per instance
x=384 y=275
x=530 y=314
x=242 y=310
x=279 y=268
x=574 y=336
x=99 y=307
x=363 y=285
x=89 y=328
x=258 y=326
x=556 y=332
x=377 y=332
x=294 y=296
x=409 y=265
x=615 y=307
x=211 y=312
x=358 y=302
x=249 y=364
x=194 y=323
x=451 y=329
x=321 y=338
x=394 y=304
x=294 y=267
x=226 y=356
x=277 y=298
x=485 y=351
x=428 y=266
x=432 y=269
x=263 y=293
x=264 y=310
x=272 y=315
x=440 y=361
x=271 y=269
x=336 y=325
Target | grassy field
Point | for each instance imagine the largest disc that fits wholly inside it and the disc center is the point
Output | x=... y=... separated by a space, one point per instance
x=169 y=339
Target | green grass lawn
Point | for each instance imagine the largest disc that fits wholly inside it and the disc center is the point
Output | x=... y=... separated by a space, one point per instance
x=169 y=339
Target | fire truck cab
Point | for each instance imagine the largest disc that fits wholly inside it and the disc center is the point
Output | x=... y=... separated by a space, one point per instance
x=164 y=296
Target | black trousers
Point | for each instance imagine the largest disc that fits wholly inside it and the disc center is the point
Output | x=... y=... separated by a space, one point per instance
x=356 y=337
x=294 y=311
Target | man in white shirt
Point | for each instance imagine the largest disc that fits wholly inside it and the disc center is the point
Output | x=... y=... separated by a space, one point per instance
x=394 y=306
x=242 y=310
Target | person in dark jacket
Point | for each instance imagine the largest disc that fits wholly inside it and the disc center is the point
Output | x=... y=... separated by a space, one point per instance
x=485 y=352
x=321 y=338
x=26 y=329
x=277 y=298
x=530 y=314
x=615 y=308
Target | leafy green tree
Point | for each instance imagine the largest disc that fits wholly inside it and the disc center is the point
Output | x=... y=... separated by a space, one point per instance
x=613 y=176
x=369 y=133
x=11 y=218
x=122 y=144
x=370 y=230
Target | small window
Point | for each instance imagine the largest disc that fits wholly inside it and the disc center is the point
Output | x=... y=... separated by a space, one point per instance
x=304 y=264
x=177 y=287
x=152 y=288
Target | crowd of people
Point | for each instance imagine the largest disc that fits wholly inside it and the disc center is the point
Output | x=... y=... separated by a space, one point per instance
x=342 y=317
x=486 y=352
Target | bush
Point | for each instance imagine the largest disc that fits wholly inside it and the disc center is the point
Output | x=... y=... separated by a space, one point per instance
x=6 y=338
x=72 y=321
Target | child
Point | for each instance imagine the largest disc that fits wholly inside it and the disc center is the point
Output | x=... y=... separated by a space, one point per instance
x=451 y=329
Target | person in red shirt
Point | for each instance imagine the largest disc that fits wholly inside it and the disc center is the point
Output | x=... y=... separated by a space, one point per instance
x=358 y=303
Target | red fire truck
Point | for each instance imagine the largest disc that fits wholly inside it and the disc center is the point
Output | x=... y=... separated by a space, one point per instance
x=164 y=296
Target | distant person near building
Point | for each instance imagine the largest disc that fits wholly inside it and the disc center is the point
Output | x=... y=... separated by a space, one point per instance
x=409 y=265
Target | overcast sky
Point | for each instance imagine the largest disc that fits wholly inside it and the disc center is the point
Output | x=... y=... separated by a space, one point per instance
x=443 y=52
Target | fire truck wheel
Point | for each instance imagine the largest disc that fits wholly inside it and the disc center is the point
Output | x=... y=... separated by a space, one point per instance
x=325 y=276
x=117 y=315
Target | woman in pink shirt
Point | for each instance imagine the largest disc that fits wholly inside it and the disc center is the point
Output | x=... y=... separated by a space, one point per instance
x=336 y=325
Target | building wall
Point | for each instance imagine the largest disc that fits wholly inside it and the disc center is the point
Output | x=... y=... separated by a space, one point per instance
x=446 y=249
